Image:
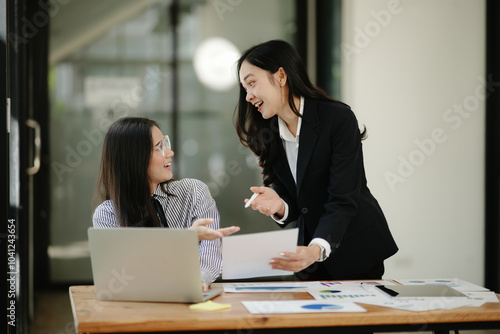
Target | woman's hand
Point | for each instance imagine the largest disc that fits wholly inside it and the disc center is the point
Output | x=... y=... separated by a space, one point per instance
x=207 y=233
x=205 y=286
x=268 y=202
x=303 y=258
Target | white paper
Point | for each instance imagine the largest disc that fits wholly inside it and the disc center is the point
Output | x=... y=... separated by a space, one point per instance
x=350 y=293
x=478 y=298
x=299 y=306
x=416 y=305
x=366 y=283
x=455 y=283
x=270 y=287
x=249 y=255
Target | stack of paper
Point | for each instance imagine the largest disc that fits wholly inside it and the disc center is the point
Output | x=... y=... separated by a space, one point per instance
x=343 y=303
x=341 y=296
x=476 y=296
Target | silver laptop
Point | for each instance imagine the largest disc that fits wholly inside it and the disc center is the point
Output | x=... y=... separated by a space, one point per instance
x=147 y=264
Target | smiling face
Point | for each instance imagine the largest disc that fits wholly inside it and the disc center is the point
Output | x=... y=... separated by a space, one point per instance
x=266 y=92
x=159 y=169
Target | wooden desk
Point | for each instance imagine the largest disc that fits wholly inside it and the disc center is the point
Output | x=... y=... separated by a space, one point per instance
x=93 y=316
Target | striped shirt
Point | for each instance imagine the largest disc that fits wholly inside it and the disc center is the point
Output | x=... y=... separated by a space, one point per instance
x=191 y=201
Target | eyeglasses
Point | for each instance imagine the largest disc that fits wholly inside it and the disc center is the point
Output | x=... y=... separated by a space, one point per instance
x=163 y=145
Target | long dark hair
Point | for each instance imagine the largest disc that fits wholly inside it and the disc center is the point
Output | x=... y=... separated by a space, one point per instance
x=257 y=133
x=123 y=173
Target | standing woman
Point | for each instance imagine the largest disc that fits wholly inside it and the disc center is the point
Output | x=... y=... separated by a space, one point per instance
x=309 y=149
x=136 y=189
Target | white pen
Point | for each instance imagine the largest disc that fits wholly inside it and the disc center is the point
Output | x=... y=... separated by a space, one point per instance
x=254 y=196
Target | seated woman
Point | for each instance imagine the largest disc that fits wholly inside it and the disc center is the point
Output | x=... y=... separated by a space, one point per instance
x=136 y=189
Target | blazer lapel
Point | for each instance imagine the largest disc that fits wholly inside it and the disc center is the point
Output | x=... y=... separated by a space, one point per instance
x=283 y=169
x=307 y=140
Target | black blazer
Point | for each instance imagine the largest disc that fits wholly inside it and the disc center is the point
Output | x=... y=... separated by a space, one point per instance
x=331 y=199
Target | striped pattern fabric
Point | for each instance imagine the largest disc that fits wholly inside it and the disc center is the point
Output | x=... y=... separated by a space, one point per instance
x=188 y=201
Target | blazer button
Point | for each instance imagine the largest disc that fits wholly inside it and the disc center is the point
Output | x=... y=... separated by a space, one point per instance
x=304 y=210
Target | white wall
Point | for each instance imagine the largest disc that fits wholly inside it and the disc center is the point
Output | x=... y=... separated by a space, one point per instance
x=413 y=72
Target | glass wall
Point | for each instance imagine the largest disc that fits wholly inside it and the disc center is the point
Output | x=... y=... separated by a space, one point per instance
x=132 y=69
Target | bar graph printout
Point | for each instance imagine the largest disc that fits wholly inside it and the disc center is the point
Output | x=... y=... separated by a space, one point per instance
x=360 y=294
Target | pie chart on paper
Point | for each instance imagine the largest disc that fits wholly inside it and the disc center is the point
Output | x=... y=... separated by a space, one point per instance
x=322 y=307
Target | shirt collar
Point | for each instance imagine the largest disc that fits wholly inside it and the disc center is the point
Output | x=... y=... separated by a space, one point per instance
x=285 y=134
x=159 y=192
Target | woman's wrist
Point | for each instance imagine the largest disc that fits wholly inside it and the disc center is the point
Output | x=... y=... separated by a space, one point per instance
x=281 y=212
x=316 y=251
